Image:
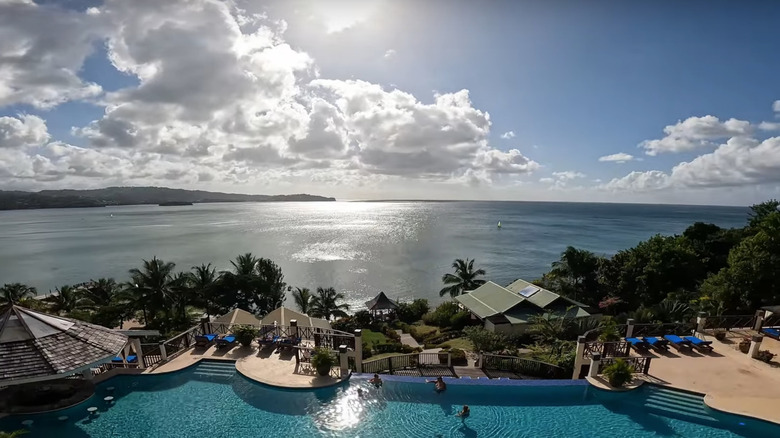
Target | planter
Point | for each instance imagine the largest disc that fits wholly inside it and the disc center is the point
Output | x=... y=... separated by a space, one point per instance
x=744 y=346
x=323 y=370
x=720 y=335
x=616 y=383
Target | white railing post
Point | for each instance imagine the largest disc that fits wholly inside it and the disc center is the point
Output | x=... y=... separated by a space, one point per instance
x=755 y=345
x=163 y=353
x=139 y=352
x=449 y=360
x=579 y=357
x=759 y=320
x=595 y=363
x=630 y=328
x=701 y=322
x=343 y=361
x=358 y=350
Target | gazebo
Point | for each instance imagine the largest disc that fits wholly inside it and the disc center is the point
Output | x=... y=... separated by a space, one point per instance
x=381 y=306
x=283 y=316
x=237 y=316
x=35 y=346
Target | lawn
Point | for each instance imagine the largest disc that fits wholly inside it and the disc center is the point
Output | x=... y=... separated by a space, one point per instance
x=383 y=355
x=425 y=330
x=461 y=343
x=371 y=338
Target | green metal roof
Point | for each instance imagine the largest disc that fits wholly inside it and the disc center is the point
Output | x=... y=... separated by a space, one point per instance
x=489 y=299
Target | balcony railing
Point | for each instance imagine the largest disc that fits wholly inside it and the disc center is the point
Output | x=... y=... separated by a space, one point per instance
x=523 y=366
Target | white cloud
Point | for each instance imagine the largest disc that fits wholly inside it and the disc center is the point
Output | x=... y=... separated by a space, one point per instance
x=562 y=180
x=769 y=126
x=620 y=157
x=389 y=53
x=776 y=106
x=43 y=47
x=23 y=130
x=639 y=181
x=508 y=135
x=696 y=133
x=568 y=175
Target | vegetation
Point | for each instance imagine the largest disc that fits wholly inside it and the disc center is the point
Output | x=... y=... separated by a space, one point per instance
x=14 y=434
x=412 y=312
x=245 y=334
x=326 y=304
x=619 y=373
x=323 y=360
x=16 y=293
x=302 y=297
x=464 y=280
x=671 y=278
x=485 y=340
x=765 y=356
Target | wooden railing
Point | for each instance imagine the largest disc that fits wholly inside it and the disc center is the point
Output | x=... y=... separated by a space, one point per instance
x=673 y=328
x=728 y=322
x=640 y=364
x=321 y=337
x=151 y=354
x=772 y=320
x=181 y=342
x=606 y=349
x=391 y=364
x=523 y=366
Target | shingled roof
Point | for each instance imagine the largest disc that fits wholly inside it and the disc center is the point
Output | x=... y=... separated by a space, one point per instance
x=381 y=302
x=37 y=346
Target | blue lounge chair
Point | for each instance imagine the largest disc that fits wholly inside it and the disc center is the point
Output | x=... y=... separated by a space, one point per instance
x=772 y=332
x=638 y=344
x=205 y=340
x=226 y=341
x=657 y=343
x=131 y=359
x=678 y=342
x=701 y=344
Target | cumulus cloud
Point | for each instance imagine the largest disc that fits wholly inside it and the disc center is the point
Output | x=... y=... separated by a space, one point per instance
x=562 y=180
x=508 y=135
x=776 y=106
x=43 y=47
x=639 y=181
x=620 y=157
x=389 y=53
x=696 y=133
x=23 y=130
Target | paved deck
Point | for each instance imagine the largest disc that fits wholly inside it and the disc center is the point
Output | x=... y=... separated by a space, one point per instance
x=732 y=381
x=407 y=339
x=264 y=365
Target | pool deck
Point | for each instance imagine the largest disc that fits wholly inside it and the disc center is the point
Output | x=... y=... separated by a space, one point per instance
x=264 y=365
x=730 y=380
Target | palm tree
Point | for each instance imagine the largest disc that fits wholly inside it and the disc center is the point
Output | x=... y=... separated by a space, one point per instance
x=464 y=280
x=242 y=281
x=65 y=300
x=203 y=281
x=576 y=272
x=14 y=434
x=325 y=304
x=99 y=293
x=149 y=286
x=303 y=299
x=15 y=293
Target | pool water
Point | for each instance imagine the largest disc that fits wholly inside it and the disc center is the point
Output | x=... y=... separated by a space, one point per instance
x=212 y=400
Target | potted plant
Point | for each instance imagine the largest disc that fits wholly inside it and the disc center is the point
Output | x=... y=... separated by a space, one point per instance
x=619 y=373
x=245 y=334
x=744 y=345
x=323 y=360
x=765 y=356
x=720 y=335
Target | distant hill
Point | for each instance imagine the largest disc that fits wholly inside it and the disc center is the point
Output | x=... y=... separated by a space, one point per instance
x=133 y=196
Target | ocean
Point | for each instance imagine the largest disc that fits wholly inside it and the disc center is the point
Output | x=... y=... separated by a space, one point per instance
x=360 y=248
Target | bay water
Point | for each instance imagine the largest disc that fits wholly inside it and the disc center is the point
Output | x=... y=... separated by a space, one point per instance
x=360 y=248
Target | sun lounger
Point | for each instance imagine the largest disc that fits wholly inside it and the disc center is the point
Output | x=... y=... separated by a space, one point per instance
x=205 y=340
x=701 y=344
x=638 y=344
x=772 y=332
x=267 y=340
x=678 y=342
x=657 y=343
x=226 y=341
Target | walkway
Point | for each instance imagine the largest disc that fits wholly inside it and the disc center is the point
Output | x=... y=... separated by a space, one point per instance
x=407 y=339
x=262 y=365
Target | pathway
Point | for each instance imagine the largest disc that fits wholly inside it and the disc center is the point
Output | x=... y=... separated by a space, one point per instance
x=407 y=339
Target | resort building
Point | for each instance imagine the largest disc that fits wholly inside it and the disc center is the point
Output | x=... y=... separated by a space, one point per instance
x=509 y=309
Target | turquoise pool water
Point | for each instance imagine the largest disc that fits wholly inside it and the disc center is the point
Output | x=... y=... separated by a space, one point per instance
x=211 y=400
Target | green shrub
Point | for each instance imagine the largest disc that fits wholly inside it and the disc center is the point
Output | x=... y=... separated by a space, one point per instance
x=619 y=373
x=458 y=357
x=245 y=334
x=460 y=320
x=391 y=333
x=345 y=324
x=412 y=312
x=389 y=347
x=366 y=350
x=408 y=349
x=322 y=358
x=420 y=334
x=362 y=318
x=485 y=340
x=609 y=331
x=443 y=314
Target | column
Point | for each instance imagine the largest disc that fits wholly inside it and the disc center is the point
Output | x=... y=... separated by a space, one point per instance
x=343 y=361
x=138 y=352
x=163 y=353
x=755 y=345
x=759 y=320
x=87 y=374
x=294 y=328
x=578 y=358
x=630 y=328
x=701 y=322
x=204 y=325
x=359 y=350
x=595 y=363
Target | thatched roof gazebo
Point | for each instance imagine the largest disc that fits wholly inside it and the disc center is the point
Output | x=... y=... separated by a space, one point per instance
x=35 y=346
x=381 y=305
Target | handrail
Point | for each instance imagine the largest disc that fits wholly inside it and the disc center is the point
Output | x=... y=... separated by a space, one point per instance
x=521 y=365
x=729 y=322
x=640 y=364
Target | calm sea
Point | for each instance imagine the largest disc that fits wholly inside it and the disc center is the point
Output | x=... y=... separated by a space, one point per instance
x=402 y=248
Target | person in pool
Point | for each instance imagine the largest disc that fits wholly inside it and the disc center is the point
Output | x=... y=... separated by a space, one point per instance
x=439 y=385
x=376 y=381
x=464 y=412
x=360 y=392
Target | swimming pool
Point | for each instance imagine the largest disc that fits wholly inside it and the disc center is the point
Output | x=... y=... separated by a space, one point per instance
x=211 y=400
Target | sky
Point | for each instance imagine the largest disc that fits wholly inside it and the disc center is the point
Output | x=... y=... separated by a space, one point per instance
x=605 y=101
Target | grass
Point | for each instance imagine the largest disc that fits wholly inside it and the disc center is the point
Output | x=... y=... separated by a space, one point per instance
x=425 y=330
x=374 y=337
x=461 y=343
x=382 y=356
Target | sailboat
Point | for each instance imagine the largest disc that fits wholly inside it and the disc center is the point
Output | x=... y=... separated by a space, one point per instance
x=499 y=224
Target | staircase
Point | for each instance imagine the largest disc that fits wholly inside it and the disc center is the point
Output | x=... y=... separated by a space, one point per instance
x=215 y=371
x=677 y=404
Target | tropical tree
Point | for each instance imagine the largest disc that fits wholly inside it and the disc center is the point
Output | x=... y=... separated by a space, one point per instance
x=576 y=275
x=203 y=281
x=464 y=280
x=102 y=298
x=15 y=293
x=149 y=287
x=272 y=288
x=326 y=304
x=303 y=298
x=254 y=284
x=65 y=299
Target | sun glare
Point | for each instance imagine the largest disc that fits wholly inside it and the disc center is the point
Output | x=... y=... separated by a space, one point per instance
x=341 y=15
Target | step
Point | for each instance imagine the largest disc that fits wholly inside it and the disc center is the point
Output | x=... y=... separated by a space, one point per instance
x=214 y=375
x=675 y=401
x=680 y=414
x=229 y=366
x=679 y=408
